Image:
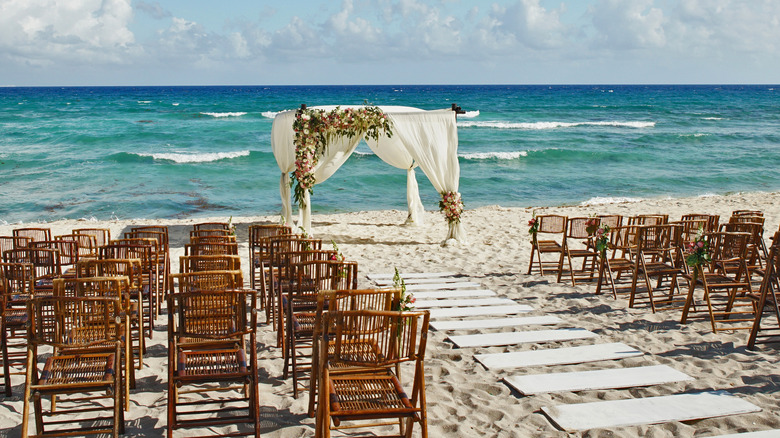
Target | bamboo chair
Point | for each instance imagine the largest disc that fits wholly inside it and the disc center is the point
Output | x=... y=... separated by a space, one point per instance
x=553 y=229
x=649 y=219
x=140 y=309
x=211 y=226
x=577 y=245
x=105 y=287
x=727 y=291
x=655 y=257
x=394 y=338
x=259 y=254
x=339 y=301
x=102 y=235
x=209 y=232
x=85 y=366
x=280 y=248
x=611 y=220
x=18 y=286
x=144 y=251
x=36 y=234
x=212 y=344
x=712 y=220
x=620 y=260
x=755 y=256
x=160 y=234
x=300 y=309
x=46 y=264
x=767 y=305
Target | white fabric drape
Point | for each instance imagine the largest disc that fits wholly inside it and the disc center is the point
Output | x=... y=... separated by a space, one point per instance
x=428 y=139
x=431 y=138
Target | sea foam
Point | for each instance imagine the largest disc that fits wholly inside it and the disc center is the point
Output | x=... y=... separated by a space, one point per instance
x=552 y=125
x=196 y=158
x=469 y=114
x=496 y=155
x=598 y=200
x=220 y=115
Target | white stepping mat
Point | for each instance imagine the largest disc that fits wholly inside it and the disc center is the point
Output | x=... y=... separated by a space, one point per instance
x=557 y=356
x=440 y=286
x=494 y=301
x=598 y=379
x=460 y=293
x=774 y=433
x=527 y=337
x=649 y=410
x=409 y=281
x=469 y=324
x=459 y=312
x=407 y=275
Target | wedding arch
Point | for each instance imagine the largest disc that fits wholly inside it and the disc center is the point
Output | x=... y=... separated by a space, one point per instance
x=310 y=144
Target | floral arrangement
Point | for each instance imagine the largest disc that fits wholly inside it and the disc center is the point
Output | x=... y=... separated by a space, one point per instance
x=600 y=234
x=407 y=299
x=314 y=128
x=533 y=225
x=231 y=226
x=452 y=206
x=339 y=257
x=697 y=252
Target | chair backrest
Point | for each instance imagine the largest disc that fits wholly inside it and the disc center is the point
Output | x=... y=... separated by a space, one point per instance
x=53 y=320
x=194 y=249
x=212 y=315
x=219 y=262
x=552 y=224
x=226 y=238
x=85 y=244
x=160 y=236
x=710 y=220
x=656 y=241
x=576 y=227
x=729 y=246
x=208 y=281
x=36 y=234
x=102 y=235
x=747 y=213
x=316 y=275
x=387 y=338
x=130 y=268
x=68 y=249
x=259 y=232
x=209 y=232
x=747 y=219
x=107 y=287
x=211 y=226
x=648 y=219
x=13 y=242
x=611 y=220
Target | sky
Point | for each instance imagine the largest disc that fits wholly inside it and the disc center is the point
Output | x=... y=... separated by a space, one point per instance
x=354 y=42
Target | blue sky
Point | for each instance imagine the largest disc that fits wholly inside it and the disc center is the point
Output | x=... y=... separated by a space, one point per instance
x=273 y=42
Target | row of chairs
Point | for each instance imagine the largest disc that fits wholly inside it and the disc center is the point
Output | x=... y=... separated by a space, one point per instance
x=646 y=257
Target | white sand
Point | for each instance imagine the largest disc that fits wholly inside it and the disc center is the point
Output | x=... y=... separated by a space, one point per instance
x=463 y=398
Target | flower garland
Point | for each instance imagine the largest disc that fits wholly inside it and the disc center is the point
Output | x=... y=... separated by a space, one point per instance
x=452 y=206
x=315 y=128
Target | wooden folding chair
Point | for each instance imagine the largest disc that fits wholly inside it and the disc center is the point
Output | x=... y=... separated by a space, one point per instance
x=766 y=324
x=17 y=284
x=259 y=254
x=378 y=341
x=36 y=234
x=619 y=260
x=81 y=371
x=576 y=245
x=726 y=284
x=217 y=262
x=655 y=260
x=102 y=235
x=212 y=361
x=548 y=240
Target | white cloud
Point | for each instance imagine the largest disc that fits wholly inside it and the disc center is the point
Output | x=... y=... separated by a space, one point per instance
x=628 y=24
x=46 y=31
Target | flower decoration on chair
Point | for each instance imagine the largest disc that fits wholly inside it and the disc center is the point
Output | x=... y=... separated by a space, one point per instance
x=533 y=225
x=452 y=206
x=600 y=234
x=315 y=128
x=407 y=300
x=338 y=257
x=698 y=252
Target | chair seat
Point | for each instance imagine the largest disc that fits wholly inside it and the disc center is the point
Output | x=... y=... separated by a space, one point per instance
x=97 y=368
x=212 y=362
x=548 y=246
x=355 y=396
x=15 y=317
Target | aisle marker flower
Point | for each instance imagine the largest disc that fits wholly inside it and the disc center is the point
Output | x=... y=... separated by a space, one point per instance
x=452 y=206
x=534 y=226
x=600 y=234
x=698 y=252
x=407 y=299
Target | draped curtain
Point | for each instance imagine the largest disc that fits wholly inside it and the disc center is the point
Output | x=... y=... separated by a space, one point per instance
x=428 y=139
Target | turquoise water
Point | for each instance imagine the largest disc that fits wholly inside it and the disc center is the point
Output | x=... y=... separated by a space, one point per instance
x=169 y=152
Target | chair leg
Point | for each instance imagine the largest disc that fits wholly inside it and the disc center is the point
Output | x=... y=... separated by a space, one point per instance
x=27 y=384
x=6 y=361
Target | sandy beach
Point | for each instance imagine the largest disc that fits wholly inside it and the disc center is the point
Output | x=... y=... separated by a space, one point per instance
x=465 y=399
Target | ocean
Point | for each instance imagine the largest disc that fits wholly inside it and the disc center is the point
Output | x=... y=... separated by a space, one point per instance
x=176 y=152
